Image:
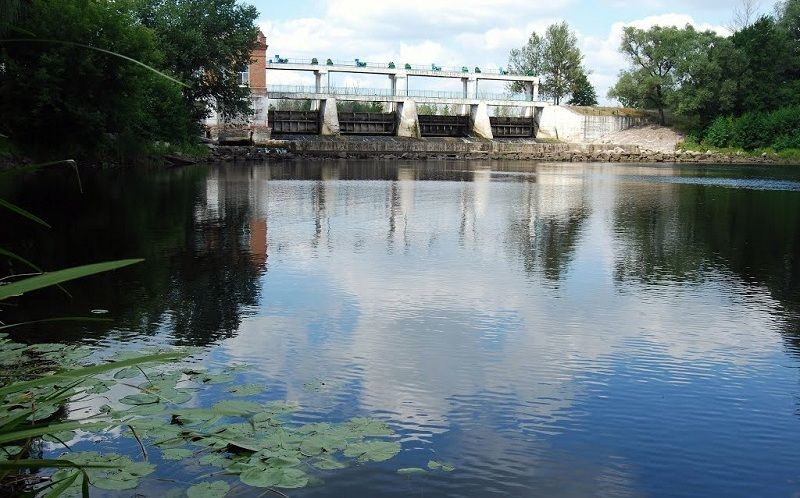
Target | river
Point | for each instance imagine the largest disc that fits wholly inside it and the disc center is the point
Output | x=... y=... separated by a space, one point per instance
x=548 y=329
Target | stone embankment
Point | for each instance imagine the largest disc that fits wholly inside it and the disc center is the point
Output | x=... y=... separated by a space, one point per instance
x=395 y=149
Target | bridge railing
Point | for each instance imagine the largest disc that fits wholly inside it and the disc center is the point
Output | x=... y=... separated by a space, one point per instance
x=385 y=92
x=385 y=65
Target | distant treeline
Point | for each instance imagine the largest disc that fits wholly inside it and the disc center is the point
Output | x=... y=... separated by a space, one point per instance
x=741 y=90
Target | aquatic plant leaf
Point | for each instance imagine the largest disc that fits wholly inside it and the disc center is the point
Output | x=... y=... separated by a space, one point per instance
x=127 y=373
x=446 y=467
x=214 y=460
x=139 y=399
x=112 y=484
x=176 y=454
x=375 y=451
x=30 y=432
x=279 y=477
x=45 y=348
x=208 y=378
x=368 y=427
x=246 y=390
x=62 y=485
x=76 y=373
x=99 y=386
x=411 y=471
x=237 y=407
x=215 y=489
x=59 y=276
x=328 y=464
x=22 y=212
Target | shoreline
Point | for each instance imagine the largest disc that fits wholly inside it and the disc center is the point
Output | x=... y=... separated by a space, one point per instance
x=392 y=148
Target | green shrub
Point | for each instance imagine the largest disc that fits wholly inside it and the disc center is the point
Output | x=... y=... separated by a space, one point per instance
x=720 y=132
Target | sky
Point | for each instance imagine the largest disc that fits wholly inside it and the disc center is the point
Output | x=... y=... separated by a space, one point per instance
x=465 y=32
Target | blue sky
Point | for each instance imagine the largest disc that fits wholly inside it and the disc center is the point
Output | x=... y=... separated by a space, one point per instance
x=465 y=32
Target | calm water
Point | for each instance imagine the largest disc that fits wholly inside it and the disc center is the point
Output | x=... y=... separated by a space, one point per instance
x=551 y=330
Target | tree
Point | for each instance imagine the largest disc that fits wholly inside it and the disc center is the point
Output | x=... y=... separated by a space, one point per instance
x=527 y=60
x=653 y=54
x=555 y=57
x=205 y=42
x=81 y=102
x=769 y=77
x=562 y=60
x=582 y=91
x=744 y=14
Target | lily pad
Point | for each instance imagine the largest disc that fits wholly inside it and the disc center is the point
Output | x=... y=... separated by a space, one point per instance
x=279 y=477
x=215 y=489
x=446 y=467
x=246 y=390
x=139 y=399
x=411 y=471
x=375 y=451
x=328 y=464
x=176 y=453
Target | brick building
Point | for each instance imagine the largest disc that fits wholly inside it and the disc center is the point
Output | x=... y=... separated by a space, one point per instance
x=255 y=128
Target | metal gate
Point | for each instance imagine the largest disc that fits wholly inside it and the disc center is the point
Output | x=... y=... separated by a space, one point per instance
x=367 y=123
x=443 y=126
x=306 y=122
x=506 y=127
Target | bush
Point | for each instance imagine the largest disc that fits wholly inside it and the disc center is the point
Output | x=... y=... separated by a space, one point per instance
x=720 y=132
x=778 y=130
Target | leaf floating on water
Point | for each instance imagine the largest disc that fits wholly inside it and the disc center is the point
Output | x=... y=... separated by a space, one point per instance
x=214 y=460
x=274 y=478
x=368 y=427
x=246 y=390
x=411 y=471
x=328 y=464
x=127 y=373
x=446 y=467
x=46 y=348
x=241 y=408
x=215 y=489
x=140 y=399
x=207 y=378
x=176 y=453
x=375 y=451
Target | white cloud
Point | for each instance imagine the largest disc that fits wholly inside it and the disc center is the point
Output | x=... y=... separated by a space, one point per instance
x=478 y=33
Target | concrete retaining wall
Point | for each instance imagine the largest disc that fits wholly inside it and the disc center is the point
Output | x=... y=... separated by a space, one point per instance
x=569 y=125
x=466 y=149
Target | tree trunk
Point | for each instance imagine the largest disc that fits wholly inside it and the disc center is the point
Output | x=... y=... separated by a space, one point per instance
x=663 y=118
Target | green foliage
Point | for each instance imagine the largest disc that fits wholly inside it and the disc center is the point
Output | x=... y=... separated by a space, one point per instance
x=204 y=42
x=699 y=75
x=582 y=91
x=97 y=80
x=720 y=132
x=77 y=100
x=778 y=130
x=256 y=441
x=555 y=57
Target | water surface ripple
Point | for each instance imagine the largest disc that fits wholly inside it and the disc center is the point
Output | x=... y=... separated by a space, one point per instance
x=550 y=330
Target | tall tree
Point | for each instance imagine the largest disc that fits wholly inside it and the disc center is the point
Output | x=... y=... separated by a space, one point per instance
x=555 y=57
x=582 y=92
x=562 y=60
x=205 y=42
x=527 y=60
x=653 y=54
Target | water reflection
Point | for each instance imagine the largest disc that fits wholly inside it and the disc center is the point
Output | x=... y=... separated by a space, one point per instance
x=565 y=330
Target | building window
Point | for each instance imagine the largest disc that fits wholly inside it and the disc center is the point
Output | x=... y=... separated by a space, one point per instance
x=244 y=76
